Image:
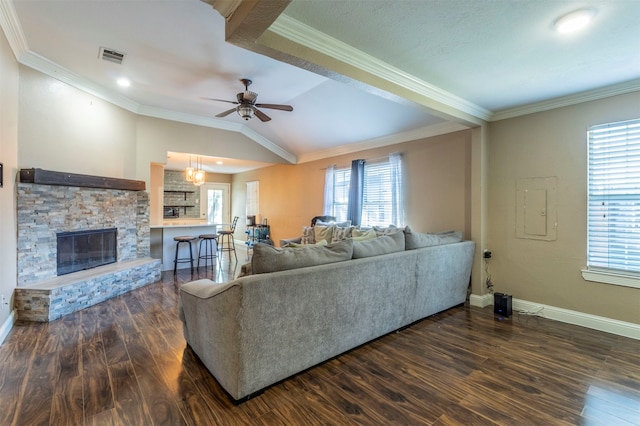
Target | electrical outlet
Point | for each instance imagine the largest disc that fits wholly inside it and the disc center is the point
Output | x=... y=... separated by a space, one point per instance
x=4 y=302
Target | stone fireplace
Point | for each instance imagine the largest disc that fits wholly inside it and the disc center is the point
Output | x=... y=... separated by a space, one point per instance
x=48 y=211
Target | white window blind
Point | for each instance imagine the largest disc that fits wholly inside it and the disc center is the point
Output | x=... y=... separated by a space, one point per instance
x=614 y=197
x=377 y=209
x=340 y=202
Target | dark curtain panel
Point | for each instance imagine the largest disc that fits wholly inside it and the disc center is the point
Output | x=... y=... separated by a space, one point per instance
x=356 y=188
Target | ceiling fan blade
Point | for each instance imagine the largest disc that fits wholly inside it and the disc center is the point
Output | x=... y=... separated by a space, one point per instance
x=220 y=100
x=227 y=112
x=276 y=106
x=261 y=115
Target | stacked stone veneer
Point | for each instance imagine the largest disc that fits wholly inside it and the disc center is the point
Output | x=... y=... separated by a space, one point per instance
x=51 y=300
x=45 y=210
x=189 y=198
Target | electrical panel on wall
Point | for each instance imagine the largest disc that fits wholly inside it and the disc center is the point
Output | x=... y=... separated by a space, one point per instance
x=536 y=208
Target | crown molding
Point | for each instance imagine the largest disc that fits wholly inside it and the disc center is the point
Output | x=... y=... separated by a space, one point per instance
x=12 y=28
x=411 y=135
x=53 y=70
x=276 y=149
x=313 y=39
x=564 y=101
x=180 y=117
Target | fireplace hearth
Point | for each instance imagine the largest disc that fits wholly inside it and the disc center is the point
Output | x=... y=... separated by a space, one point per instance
x=112 y=216
x=86 y=249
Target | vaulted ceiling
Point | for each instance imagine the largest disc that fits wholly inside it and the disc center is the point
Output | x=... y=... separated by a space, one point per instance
x=358 y=73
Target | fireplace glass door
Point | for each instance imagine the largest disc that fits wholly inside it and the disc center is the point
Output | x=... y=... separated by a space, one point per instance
x=82 y=250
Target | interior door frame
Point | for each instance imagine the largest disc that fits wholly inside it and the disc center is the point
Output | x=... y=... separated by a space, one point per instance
x=226 y=199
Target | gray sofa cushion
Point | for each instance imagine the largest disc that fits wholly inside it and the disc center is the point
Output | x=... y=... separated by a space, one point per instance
x=416 y=240
x=267 y=258
x=380 y=245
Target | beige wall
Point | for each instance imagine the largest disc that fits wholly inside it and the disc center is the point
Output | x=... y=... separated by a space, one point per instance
x=65 y=129
x=9 y=159
x=552 y=143
x=155 y=137
x=437 y=181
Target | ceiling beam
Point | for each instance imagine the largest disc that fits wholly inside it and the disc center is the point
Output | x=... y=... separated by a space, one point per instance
x=259 y=26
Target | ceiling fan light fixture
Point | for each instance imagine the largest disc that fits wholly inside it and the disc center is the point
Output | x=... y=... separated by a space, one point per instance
x=574 y=21
x=245 y=111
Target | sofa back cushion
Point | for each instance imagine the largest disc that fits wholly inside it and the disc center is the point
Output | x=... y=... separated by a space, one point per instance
x=416 y=240
x=267 y=258
x=378 y=246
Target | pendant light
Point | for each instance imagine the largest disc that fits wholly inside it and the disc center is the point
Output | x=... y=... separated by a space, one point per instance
x=189 y=172
x=198 y=176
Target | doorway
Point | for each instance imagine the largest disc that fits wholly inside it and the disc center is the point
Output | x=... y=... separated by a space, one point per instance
x=215 y=205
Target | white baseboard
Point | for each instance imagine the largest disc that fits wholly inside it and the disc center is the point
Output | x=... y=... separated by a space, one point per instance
x=608 y=325
x=7 y=326
x=481 y=301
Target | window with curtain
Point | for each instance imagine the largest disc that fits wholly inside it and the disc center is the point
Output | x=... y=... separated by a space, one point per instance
x=613 y=219
x=382 y=201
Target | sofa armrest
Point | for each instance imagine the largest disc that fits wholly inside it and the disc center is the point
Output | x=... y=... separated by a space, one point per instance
x=284 y=242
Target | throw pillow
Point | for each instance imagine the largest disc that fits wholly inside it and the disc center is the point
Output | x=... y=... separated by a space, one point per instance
x=323 y=232
x=416 y=240
x=362 y=234
x=379 y=246
x=267 y=258
x=308 y=235
x=344 y=224
x=391 y=229
x=340 y=233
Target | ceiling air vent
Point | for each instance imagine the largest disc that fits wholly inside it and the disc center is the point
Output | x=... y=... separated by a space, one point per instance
x=111 y=55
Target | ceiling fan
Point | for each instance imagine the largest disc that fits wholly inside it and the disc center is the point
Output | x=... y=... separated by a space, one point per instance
x=247 y=105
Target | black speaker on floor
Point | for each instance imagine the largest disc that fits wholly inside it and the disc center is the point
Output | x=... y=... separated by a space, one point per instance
x=502 y=304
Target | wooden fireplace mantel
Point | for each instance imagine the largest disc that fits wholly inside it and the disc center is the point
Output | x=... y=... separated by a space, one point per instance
x=48 y=177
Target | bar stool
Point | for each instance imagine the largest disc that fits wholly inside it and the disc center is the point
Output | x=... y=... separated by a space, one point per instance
x=209 y=252
x=231 y=245
x=179 y=240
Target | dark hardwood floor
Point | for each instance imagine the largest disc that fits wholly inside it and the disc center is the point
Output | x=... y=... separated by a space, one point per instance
x=125 y=362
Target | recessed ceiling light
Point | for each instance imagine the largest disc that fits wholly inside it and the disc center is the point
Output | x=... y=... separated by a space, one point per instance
x=574 y=21
x=124 y=82
x=219 y=162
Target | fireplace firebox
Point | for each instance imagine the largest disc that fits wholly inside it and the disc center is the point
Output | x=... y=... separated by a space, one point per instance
x=80 y=250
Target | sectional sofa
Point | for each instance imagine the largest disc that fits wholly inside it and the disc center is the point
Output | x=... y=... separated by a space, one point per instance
x=296 y=311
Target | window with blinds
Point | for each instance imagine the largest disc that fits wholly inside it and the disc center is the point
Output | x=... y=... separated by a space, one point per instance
x=341 y=178
x=378 y=194
x=377 y=200
x=614 y=197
